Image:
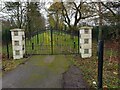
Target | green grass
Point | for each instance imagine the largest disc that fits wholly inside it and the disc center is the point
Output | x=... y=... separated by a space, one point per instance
x=4 y=50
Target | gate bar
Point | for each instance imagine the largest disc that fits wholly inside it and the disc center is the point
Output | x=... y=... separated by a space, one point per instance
x=51 y=41
x=78 y=42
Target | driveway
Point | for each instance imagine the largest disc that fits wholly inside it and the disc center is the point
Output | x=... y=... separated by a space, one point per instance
x=38 y=72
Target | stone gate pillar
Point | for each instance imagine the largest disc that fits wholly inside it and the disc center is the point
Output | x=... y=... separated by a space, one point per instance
x=18 y=43
x=85 y=42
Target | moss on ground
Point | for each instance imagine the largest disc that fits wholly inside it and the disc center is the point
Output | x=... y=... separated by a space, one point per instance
x=59 y=65
x=34 y=77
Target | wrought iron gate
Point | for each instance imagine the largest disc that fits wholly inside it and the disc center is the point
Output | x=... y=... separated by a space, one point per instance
x=52 y=42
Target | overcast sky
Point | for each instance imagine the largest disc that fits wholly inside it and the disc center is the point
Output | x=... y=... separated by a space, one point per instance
x=47 y=5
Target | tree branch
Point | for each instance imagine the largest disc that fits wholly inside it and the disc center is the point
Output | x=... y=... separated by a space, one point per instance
x=65 y=15
x=108 y=8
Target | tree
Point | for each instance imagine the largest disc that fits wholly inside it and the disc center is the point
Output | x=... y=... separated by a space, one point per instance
x=74 y=12
x=70 y=14
x=16 y=10
x=23 y=12
x=55 y=17
x=34 y=21
x=101 y=43
x=34 y=16
x=112 y=17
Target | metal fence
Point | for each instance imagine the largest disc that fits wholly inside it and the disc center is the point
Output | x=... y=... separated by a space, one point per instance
x=52 y=42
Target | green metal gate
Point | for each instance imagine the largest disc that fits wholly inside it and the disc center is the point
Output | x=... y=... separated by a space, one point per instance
x=52 y=42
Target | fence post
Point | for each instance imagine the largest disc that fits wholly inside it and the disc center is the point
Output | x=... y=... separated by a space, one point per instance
x=32 y=46
x=25 y=43
x=37 y=37
x=100 y=50
x=100 y=63
x=74 y=44
x=78 y=42
x=7 y=46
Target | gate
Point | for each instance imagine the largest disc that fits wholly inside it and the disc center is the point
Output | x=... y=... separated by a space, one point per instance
x=52 y=42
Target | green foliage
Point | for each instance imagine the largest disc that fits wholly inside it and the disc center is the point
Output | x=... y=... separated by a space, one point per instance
x=95 y=31
x=109 y=32
x=57 y=6
x=51 y=21
x=55 y=17
x=6 y=34
x=35 y=20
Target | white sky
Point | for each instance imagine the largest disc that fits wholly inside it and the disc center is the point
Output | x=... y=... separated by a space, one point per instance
x=59 y=0
x=47 y=4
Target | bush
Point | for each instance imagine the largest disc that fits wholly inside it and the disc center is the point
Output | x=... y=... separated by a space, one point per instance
x=6 y=36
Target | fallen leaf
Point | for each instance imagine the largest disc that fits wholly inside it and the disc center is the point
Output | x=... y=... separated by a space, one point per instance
x=115 y=73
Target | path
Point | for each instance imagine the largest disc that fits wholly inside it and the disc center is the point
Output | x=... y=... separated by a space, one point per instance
x=45 y=72
x=38 y=72
x=73 y=78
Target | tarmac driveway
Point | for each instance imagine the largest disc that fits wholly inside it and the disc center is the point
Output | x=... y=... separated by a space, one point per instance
x=38 y=72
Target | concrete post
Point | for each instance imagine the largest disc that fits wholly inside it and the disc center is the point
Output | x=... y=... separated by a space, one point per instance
x=18 y=43
x=85 y=42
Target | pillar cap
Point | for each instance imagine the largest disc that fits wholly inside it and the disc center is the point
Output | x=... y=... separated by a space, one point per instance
x=84 y=27
x=17 y=29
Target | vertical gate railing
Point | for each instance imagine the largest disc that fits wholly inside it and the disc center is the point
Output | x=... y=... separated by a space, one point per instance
x=78 y=42
x=52 y=42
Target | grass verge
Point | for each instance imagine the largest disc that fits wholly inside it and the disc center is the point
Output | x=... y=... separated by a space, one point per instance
x=8 y=65
x=89 y=67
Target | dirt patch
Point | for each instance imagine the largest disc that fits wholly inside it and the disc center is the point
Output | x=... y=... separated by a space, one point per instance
x=111 y=44
x=73 y=78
